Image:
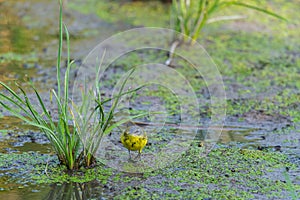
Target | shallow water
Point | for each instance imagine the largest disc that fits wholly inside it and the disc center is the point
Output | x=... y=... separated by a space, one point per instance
x=28 y=33
x=16 y=142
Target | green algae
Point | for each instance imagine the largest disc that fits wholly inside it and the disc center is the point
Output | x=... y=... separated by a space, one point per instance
x=255 y=60
x=15 y=57
x=226 y=173
x=137 y=13
x=61 y=175
x=38 y=168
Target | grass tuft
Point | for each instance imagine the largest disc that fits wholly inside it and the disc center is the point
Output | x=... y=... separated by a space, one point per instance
x=189 y=17
x=74 y=130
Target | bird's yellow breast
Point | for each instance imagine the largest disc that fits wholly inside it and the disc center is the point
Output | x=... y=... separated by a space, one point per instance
x=133 y=142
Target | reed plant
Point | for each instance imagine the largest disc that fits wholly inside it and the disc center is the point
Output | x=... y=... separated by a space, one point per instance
x=76 y=129
x=189 y=17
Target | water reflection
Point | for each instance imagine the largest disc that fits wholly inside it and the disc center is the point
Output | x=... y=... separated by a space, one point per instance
x=76 y=191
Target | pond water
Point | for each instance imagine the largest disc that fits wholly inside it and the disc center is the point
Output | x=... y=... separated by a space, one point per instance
x=22 y=138
x=28 y=43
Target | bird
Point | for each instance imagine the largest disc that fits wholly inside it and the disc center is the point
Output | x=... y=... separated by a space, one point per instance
x=133 y=142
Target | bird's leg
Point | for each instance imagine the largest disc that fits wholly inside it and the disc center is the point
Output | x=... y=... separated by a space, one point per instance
x=130 y=160
x=138 y=156
x=129 y=155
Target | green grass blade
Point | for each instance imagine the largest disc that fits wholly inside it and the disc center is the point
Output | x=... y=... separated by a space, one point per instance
x=28 y=121
x=200 y=21
x=120 y=95
x=67 y=74
x=61 y=117
x=258 y=9
x=115 y=103
x=14 y=112
x=32 y=118
x=12 y=92
x=116 y=124
x=225 y=18
x=14 y=102
x=98 y=93
x=33 y=112
x=43 y=107
x=97 y=80
x=96 y=139
x=102 y=115
x=214 y=7
x=59 y=49
x=59 y=105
